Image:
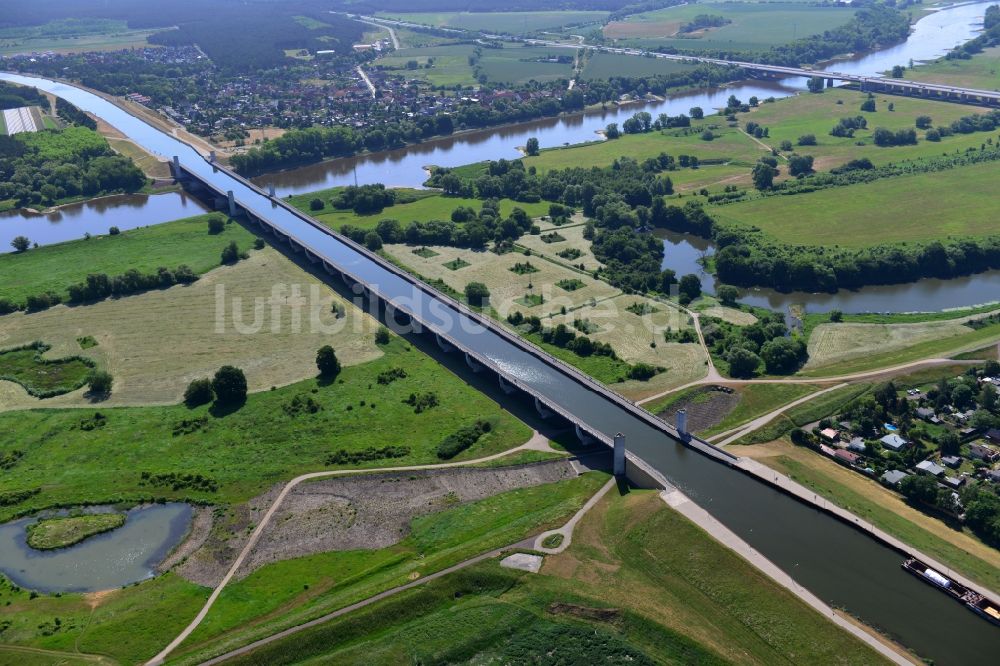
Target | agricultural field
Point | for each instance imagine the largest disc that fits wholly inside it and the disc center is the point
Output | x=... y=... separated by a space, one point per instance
x=252 y=327
x=925 y=207
x=449 y=64
x=887 y=510
x=696 y=606
x=514 y=23
x=236 y=449
x=56 y=267
x=606 y=65
x=575 y=250
x=981 y=71
x=752 y=26
x=73 y=36
x=809 y=113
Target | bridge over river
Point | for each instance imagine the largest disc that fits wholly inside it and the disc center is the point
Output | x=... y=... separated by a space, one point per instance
x=830 y=557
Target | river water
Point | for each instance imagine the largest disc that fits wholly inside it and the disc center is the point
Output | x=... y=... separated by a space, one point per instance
x=840 y=565
x=96 y=217
x=102 y=562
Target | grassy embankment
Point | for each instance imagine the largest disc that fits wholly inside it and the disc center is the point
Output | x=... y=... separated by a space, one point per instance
x=866 y=498
x=606 y=65
x=133 y=623
x=639 y=580
x=245 y=451
x=52 y=533
x=752 y=26
x=808 y=412
x=981 y=71
x=308 y=587
x=55 y=267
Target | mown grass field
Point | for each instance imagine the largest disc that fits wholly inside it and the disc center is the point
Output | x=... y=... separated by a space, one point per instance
x=449 y=64
x=264 y=314
x=925 y=344
x=816 y=114
x=864 y=497
x=921 y=207
x=450 y=67
x=981 y=71
x=247 y=450
x=672 y=595
x=502 y=22
x=170 y=244
x=754 y=26
x=96 y=35
x=606 y=65
x=290 y=592
x=517 y=65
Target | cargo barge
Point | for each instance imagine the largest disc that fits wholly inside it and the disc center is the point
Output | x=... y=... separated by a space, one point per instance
x=977 y=603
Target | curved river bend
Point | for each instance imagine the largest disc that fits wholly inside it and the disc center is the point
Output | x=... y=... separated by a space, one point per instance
x=837 y=563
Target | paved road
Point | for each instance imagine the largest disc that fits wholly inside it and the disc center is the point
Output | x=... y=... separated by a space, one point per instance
x=533 y=443
x=731 y=436
x=567 y=530
x=368 y=82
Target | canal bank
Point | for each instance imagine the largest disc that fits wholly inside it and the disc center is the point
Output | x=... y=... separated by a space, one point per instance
x=834 y=561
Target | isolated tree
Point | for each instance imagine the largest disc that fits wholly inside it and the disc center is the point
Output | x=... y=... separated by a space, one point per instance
x=696 y=113
x=923 y=122
x=20 y=243
x=897 y=71
x=229 y=385
x=326 y=362
x=707 y=135
x=199 y=392
x=612 y=131
x=114 y=231
x=727 y=294
x=786 y=145
x=807 y=140
x=382 y=336
x=868 y=104
x=476 y=293
x=216 y=225
x=800 y=165
x=99 y=382
x=316 y=204
x=815 y=84
x=763 y=176
x=531 y=148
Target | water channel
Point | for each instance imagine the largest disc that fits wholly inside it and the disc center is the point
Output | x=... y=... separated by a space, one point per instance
x=101 y=562
x=840 y=565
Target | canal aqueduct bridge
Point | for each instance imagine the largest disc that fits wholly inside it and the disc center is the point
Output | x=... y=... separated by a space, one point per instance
x=443 y=319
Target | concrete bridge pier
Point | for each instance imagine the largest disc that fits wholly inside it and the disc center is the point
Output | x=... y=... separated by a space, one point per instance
x=582 y=435
x=442 y=343
x=175 y=168
x=471 y=362
x=232 y=203
x=540 y=408
x=270 y=191
x=829 y=83
x=619 y=455
x=682 y=425
x=506 y=386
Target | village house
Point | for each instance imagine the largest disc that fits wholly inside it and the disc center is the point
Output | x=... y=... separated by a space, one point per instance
x=894 y=442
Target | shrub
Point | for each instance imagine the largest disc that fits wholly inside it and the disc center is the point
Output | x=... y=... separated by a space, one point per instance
x=382 y=336
x=316 y=204
x=807 y=140
x=258 y=244
x=230 y=253
x=462 y=439
x=114 y=231
x=20 y=243
x=199 y=392
x=99 y=382
x=216 y=225
x=476 y=293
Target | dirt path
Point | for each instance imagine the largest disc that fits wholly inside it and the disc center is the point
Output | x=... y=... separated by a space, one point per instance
x=532 y=443
x=567 y=530
x=72 y=656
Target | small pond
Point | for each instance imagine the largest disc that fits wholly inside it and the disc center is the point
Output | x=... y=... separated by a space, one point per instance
x=105 y=561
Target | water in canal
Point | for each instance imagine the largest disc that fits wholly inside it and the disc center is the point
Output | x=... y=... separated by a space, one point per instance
x=95 y=217
x=101 y=562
